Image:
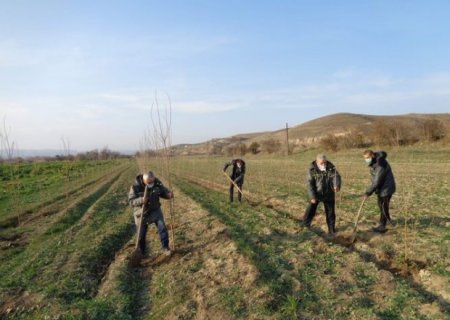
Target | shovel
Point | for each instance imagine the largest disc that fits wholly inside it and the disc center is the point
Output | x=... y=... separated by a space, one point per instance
x=237 y=187
x=137 y=256
x=353 y=236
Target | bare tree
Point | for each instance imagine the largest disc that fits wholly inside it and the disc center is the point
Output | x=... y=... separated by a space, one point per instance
x=159 y=138
x=330 y=142
x=8 y=148
x=352 y=138
x=254 y=147
x=433 y=130
x=382 y=133
x=215 y=149
x=271 y=145
x=67 y=164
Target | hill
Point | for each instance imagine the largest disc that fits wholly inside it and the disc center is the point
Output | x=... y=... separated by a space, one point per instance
x=310 y=132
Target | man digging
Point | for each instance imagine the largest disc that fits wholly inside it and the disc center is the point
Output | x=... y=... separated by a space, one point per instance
x=237 y=175
x=323 y=181
x=383 y=184
x=153 y=212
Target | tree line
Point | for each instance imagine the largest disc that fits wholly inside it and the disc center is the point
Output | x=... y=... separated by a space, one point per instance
x=96 y=154
x=386 y=133
x=380 y=133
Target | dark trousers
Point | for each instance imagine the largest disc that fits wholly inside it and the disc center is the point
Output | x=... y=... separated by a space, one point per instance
x=239 y=184
x=157 y=218
x=311 y=209
x=383 y=204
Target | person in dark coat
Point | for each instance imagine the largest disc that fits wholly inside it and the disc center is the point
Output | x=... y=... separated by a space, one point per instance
x=383 y=184
x=323 y=181
x=237 y=175
x=153 y=212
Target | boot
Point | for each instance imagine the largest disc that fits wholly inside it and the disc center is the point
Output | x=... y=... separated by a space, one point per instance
x=331 y=229
x=331 y=233
x=380 y=228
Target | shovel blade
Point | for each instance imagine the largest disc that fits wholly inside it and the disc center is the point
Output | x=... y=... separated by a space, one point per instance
x=136 y=258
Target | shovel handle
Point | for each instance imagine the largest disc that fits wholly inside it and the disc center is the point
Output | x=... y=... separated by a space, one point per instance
x=144 y=207
x=359 y=213
x=234 y=183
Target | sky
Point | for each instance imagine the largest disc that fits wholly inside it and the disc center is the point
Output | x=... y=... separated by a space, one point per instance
x=88 y=72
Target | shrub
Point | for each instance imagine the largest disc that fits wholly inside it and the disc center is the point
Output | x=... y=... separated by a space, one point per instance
x=271 y=145
x=254 y=147
x=330 y=143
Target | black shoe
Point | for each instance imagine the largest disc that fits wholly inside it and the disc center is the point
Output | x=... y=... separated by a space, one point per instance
x=166 y=251
x=380 y=229
x=305 y=225
x=392 y=223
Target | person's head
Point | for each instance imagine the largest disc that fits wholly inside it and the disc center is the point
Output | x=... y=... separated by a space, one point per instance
x=368 y=156
x=149 y=177
x=239 y=164
x=321 y=159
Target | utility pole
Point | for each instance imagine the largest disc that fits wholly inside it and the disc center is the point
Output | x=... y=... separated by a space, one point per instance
x=287 y=139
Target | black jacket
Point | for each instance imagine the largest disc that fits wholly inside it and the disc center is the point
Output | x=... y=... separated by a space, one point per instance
x=236 y=174
x=320 y=184
x=383 y=182
x=158 y=190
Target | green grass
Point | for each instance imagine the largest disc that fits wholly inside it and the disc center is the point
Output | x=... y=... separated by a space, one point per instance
x=422 y=198
x=232 y=298
x=419 y=181
x=300 y=275
x=267 y=254
x=65 y=265
x=26 y=185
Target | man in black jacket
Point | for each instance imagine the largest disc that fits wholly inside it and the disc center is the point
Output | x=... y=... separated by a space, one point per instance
x=153 y=212
x=383 y=184
x=323 y=181
x=237 y=175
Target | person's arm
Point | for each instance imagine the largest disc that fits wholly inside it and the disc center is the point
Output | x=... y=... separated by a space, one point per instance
x=336 y=180
x=134 y=199
x=378 y=178
x=239 y=178
x=311 y=186
x=165 y=192
x=226 y=166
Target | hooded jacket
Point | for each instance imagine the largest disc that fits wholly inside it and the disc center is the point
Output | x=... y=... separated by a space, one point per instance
x=321 y=184
x=383 y=182
x=236 y=174
x=158 y=190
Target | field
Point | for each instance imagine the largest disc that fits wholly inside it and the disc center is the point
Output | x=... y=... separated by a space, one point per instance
x=67 y=233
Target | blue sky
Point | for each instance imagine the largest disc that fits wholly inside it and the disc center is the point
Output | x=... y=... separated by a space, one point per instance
x=88 y=70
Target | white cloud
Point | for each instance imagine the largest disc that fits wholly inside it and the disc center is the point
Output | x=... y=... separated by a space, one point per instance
x=89 y=111
x=16 y=54
x=14 y=109
x=360 y=90
x=72 y=52
x=142 y=100
x=200 y=107
x=118 y=118
x=121 y=98
x=356 y=89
